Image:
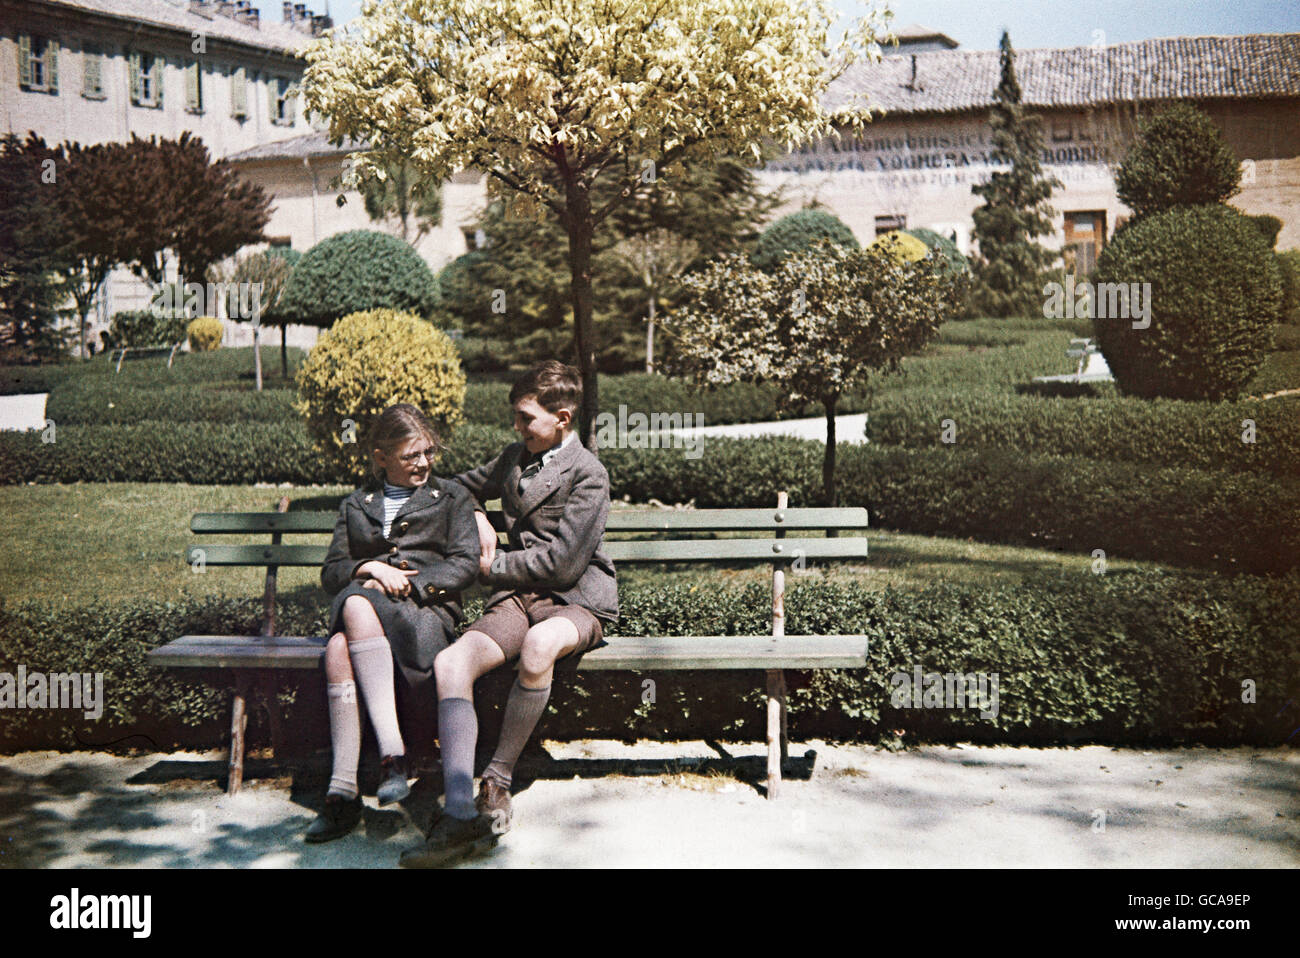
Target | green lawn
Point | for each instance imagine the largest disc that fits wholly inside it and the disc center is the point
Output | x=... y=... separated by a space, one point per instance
x=78 y=543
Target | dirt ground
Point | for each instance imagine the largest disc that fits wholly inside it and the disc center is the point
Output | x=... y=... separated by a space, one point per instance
x=691 y=804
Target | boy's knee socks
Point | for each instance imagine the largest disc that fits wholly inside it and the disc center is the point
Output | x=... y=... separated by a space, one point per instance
x=372 y=664
x=524 y=709
x=457 y=736
x=345 y=737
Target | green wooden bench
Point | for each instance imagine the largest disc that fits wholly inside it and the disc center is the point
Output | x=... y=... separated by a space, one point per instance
x=254 y=659
x=139 y=352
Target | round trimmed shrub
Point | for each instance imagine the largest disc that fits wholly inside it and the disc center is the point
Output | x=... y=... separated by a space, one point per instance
x=357 y=271
x=366 y=362
x=1215 y=298
x=138 y=328
x=1288 y=262
x=1179 y=159
x=950 y=256
x=204 y=333
x=904 y=247
x=796 y=232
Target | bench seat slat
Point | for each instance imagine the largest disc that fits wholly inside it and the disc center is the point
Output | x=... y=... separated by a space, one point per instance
x=622 y=652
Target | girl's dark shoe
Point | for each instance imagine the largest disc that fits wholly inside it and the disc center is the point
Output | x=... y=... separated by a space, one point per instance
x=394 y=787
x=339 y=816
x=451 y=840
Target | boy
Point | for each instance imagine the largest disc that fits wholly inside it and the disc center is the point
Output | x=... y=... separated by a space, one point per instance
x=554 y=593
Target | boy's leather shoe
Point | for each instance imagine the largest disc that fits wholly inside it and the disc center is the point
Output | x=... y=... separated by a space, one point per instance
x=451 y=840
x=494 y=801
x=339 y=816
x=394 y=786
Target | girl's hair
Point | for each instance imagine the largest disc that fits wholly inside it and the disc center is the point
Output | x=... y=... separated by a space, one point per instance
x=397 y=425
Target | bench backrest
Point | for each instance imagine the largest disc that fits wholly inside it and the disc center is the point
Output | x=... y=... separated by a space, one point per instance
x=766 y=536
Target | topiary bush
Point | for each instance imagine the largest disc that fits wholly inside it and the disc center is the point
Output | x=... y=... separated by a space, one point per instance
x=1269 y=227
x=1215 y=298
x=902 y=246
x=366 y=362
x=796 y=232
x=137 y=328
x=356 y=271
x=204 y=333
x=954 y=262
x=1288 y=263
x=1180 y=159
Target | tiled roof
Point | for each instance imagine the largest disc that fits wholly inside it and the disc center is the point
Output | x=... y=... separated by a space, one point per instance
x=267 y=35
x=1194 y=68
x=296 y=147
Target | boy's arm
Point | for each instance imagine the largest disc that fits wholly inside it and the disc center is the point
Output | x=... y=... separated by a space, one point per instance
x=561 y=562
x=483 y=482
x=460 y=568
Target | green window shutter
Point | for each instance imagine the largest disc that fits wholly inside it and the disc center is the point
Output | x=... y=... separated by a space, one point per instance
x=92 y=79
x=272 y=99
x=239 y=92
x=24 y=60
x=51 y=66
x=134 y=70
x=290 y=105
x=193 y=101
x=159 y=68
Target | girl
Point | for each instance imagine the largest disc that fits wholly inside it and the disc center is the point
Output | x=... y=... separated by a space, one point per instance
x=404 y=546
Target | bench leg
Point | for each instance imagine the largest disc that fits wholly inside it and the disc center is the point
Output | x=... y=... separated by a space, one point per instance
x=785 y=729
x=238 y=723
x=775 y=708
x=266 y=685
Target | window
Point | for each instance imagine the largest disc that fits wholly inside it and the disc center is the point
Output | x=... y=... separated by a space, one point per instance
x=474 y=239
x=92 y=72
x=146 y=79
x=280 y=100
x=38 y=64
x=194 y=87
x=886 y=224
x=238 y=93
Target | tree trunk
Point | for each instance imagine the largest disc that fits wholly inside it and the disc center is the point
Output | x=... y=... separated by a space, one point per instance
x=257 y=355
x=828 y=461
x=284 y=350
x=650 y=337
x=581 y=228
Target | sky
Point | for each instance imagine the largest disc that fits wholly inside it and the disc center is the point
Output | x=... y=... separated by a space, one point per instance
x=978 y=24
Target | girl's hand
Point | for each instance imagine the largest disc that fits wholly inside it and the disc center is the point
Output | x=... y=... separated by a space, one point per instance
x=396 y=583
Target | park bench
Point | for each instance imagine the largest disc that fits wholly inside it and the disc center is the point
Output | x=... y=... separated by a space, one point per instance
x=254 y=659
x=139 y=352
x=1092 y=366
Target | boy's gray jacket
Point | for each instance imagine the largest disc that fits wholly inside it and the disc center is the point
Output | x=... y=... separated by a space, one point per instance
x=555 y=529
x=434 y=533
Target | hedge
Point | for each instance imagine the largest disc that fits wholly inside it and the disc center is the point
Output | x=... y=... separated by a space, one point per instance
x=1177 y=515
x=1133 y=659
x=104 y=401
x=1122 y=429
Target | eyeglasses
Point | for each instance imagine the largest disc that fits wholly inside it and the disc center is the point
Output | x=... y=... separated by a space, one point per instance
x=411 y=458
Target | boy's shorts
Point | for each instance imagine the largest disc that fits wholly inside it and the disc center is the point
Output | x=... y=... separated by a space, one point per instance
x=509 y=620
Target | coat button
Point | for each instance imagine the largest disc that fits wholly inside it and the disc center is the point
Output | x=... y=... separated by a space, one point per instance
x=393 y=551
x=403 y=527
x=403 y=564
x=429 y=590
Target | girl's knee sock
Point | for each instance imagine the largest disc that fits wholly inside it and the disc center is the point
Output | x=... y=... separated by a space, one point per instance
x=372 y=664
x=457 y=735
x=345 y=737
x=524 y=709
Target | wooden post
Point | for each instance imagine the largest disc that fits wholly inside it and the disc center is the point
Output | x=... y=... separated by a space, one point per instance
x=775 y=678
x=238 y=722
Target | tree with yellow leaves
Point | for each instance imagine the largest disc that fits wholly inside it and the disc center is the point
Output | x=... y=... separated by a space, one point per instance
x=549 y=96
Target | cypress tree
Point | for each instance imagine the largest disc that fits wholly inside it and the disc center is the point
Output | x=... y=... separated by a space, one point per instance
x=1009 y=270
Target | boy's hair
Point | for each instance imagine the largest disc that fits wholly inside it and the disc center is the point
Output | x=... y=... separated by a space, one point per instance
x=393 y=427
x=555 y=385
